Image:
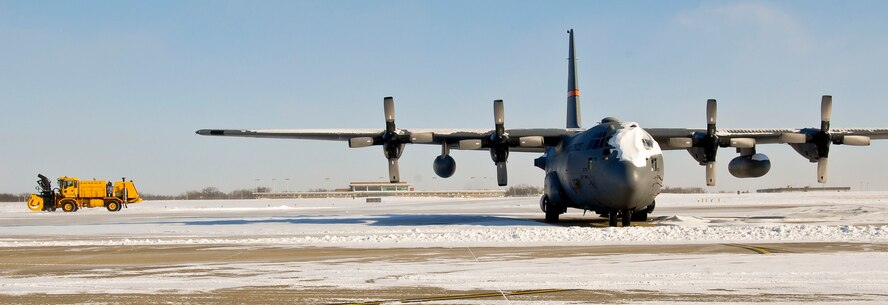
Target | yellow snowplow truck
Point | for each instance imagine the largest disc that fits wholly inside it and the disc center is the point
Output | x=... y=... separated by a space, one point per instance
x=73 y=194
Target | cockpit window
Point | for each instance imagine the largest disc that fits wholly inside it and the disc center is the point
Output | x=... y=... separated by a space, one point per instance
x=598 y=141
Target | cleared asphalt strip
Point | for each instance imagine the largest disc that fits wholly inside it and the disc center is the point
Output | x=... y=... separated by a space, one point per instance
x=461 y=297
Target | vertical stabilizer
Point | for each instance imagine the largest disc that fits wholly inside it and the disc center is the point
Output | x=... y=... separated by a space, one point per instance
x=573 y=93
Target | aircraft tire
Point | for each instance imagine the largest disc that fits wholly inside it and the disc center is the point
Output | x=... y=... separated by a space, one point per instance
x=552 y=212
x=612 y=218
x=640 y=216
x=627 y=217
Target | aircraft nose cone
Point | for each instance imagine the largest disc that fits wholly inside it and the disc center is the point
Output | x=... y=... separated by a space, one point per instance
x=622 y=184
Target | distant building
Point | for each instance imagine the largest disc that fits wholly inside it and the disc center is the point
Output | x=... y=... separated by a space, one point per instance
x=381 y=189
x=805 y=189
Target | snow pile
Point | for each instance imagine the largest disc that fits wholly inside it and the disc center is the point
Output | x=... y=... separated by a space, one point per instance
x=511 y=236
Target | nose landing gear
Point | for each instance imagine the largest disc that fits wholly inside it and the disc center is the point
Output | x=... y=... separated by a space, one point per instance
x=614 y=215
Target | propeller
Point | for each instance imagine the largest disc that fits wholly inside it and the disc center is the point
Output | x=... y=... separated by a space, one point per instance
x=392 y=139
x=703 y=146
x=499 y=144
x=822 y=138
x=392 y=143
x=707 y=144
x=814 y=143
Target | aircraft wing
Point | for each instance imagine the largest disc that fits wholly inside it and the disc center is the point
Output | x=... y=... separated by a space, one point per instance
x=499 y=141
x=811 y=143
x=680 y=138
x=521 y=140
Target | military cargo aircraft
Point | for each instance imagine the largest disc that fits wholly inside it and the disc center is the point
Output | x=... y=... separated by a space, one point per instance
x=614 y=168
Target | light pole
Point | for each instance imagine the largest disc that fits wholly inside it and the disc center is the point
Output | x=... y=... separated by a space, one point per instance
x=257 y=185
x=288 y=185
x=273 y=185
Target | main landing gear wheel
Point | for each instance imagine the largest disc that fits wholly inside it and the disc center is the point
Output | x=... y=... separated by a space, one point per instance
x=627 y=217
x=552 y=212
x=612 y=218
x=68 y=205
x=640 y=216
x=643 y=214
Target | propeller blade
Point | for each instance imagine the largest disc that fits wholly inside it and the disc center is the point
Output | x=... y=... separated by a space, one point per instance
x=422 y=137
x=681 y=142
x=710 y=173
x=856 y=140
x=499 y=117
x=825 y=112
x=469 y=144
x=742 y=142
x=793 y=138
x=502 y=176
x=389 y=108
x=394 y=172
x=710 y=116
x=360 y=142
x=821 y=169
x=532 y=141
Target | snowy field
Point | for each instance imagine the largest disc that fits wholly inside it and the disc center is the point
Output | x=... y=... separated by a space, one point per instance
x=437 y=222
x=811 y=247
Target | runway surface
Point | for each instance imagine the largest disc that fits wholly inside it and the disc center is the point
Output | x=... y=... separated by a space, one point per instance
x=751 y=248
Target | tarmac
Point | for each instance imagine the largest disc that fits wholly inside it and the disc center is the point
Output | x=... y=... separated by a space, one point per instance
x=135 y=261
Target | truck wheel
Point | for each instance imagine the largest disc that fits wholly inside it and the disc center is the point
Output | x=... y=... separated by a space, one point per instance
x=69 y=205
x=113 y=205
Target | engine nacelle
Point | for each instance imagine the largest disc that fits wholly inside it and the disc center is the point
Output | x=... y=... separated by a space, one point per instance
x=444 y=166
x=752 y=166
x=807 y=150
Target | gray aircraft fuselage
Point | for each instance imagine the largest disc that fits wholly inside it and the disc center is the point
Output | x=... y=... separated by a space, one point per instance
x=614 y=166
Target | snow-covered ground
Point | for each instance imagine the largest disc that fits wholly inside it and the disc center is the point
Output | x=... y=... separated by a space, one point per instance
x=465 y=224
x=437 y=222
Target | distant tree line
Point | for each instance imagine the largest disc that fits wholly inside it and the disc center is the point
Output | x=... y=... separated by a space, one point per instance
x=523 y=190
x=6 y=197
x=209 y=193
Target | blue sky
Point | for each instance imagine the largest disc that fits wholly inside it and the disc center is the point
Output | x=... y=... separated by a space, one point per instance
x=107 y=89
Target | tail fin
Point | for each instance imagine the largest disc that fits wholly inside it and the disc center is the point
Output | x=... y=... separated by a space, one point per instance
x=573 y=94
